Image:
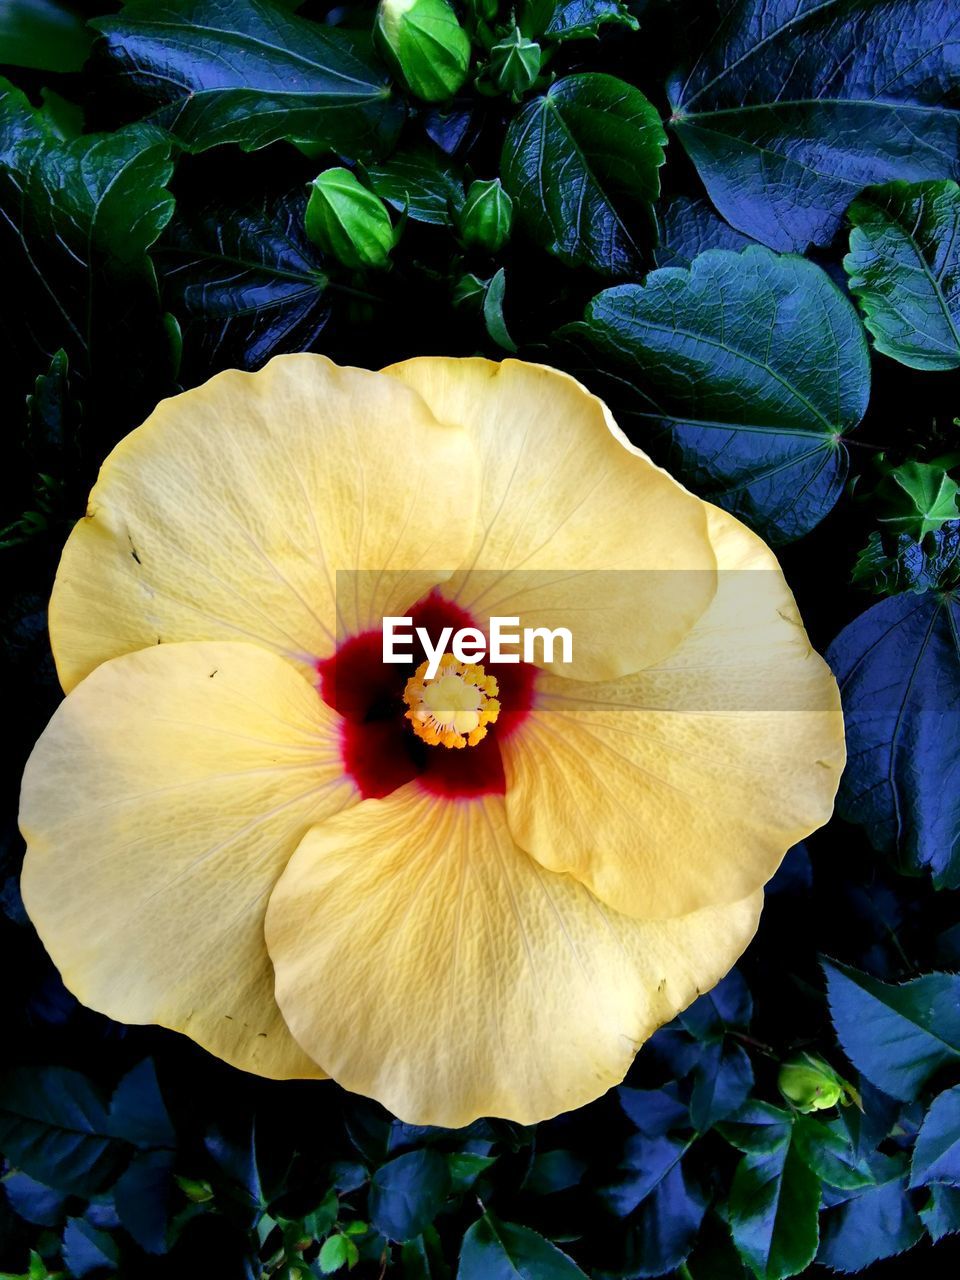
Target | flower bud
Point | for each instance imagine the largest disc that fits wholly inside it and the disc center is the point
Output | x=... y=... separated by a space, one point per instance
x=347 y=220
x=514 y=64
x=485 y=217
x=811 y=1084
x=426 y=46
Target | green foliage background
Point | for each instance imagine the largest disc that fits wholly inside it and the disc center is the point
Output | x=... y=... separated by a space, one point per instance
x=739 y=222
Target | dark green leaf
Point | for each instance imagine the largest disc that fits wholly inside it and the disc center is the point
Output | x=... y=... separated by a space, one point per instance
x=572 y=19
x=727 y=1006
x=936 y=1155
x=246 y=282
x=553 y=1171
x=420 y=181
x=898 y=1036
x=754 y=367
x=493 y=312
x=774 y=1202
x=407 y=1193
x=790 y=108
x=941 y=1215
x=138 y=1113
x=898 y=666
x=44 y=34
x=582 y=163
x=285 y=77
x=77 y=220
x=722 y=1081
x=54 y=1124
x=759 y=1128
x=827 y=1149
x=871 y=1223
x=646 y=1163
x=465 y=1168
x=87 y=1249
x=33 y=1201
x=887 y=567
x=495 y=1250
x=142 y=1198
x=691 y=227
x=904 y=266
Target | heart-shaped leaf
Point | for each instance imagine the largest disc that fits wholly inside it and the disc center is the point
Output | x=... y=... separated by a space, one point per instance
x=285 y=77
x=898 y=666
x=790 y=107
x=582 y=163
x=904 y=266
x=753 y=367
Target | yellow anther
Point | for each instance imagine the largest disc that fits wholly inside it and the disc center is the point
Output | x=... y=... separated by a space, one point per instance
x=455 y=707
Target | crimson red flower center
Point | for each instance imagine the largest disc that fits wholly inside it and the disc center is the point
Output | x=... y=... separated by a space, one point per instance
x=380 y=750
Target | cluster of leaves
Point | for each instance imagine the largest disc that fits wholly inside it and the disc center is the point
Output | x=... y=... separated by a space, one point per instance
x=739 y=222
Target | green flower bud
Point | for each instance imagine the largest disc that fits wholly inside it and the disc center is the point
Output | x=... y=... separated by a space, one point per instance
x=469 y=290
x=514 y=64
x=485 y=218
x=426 y=46
x=347 y=220
x=812 y=1084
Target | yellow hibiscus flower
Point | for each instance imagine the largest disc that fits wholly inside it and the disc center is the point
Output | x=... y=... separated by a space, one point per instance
x=241 y=824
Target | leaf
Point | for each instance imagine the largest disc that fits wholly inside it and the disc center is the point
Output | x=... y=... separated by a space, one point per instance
x=654 y=1111
x=774 y=1202
x=76 y=220
x=722 y=1081
x=572 y=19
x=936 y=1155
x=908 y=565
x=753 y=367
x=898 y=666
x=87 y=1249
x=493 y=311
x=941 y=1215
x=690 y=227
x=898 y=1036
x=904 y=267
x=465 y=1168
x=496 y=1250
x=244 y=280
x=54 y=1124
x=828 y=1151
x=420 y=181
x=727 y=1006
x=338 y=1251
x=250 y=72
x=142 y=1197
x=916 y=498
x=553 y=1171
x=582 y=164
x=44 y=34
x=33 y=1201
x=138 y=1113
x=645 y=1165
x=407 y=1193
x=791 y=107
x=870 y=1224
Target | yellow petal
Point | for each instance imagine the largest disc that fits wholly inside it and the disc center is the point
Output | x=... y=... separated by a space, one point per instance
x=230 y=512
x=468 y=980
x=684 y=785
x=159 y=807
x=577 y=527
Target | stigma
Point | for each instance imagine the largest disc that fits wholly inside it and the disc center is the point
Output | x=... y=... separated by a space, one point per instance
x=454 y=708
